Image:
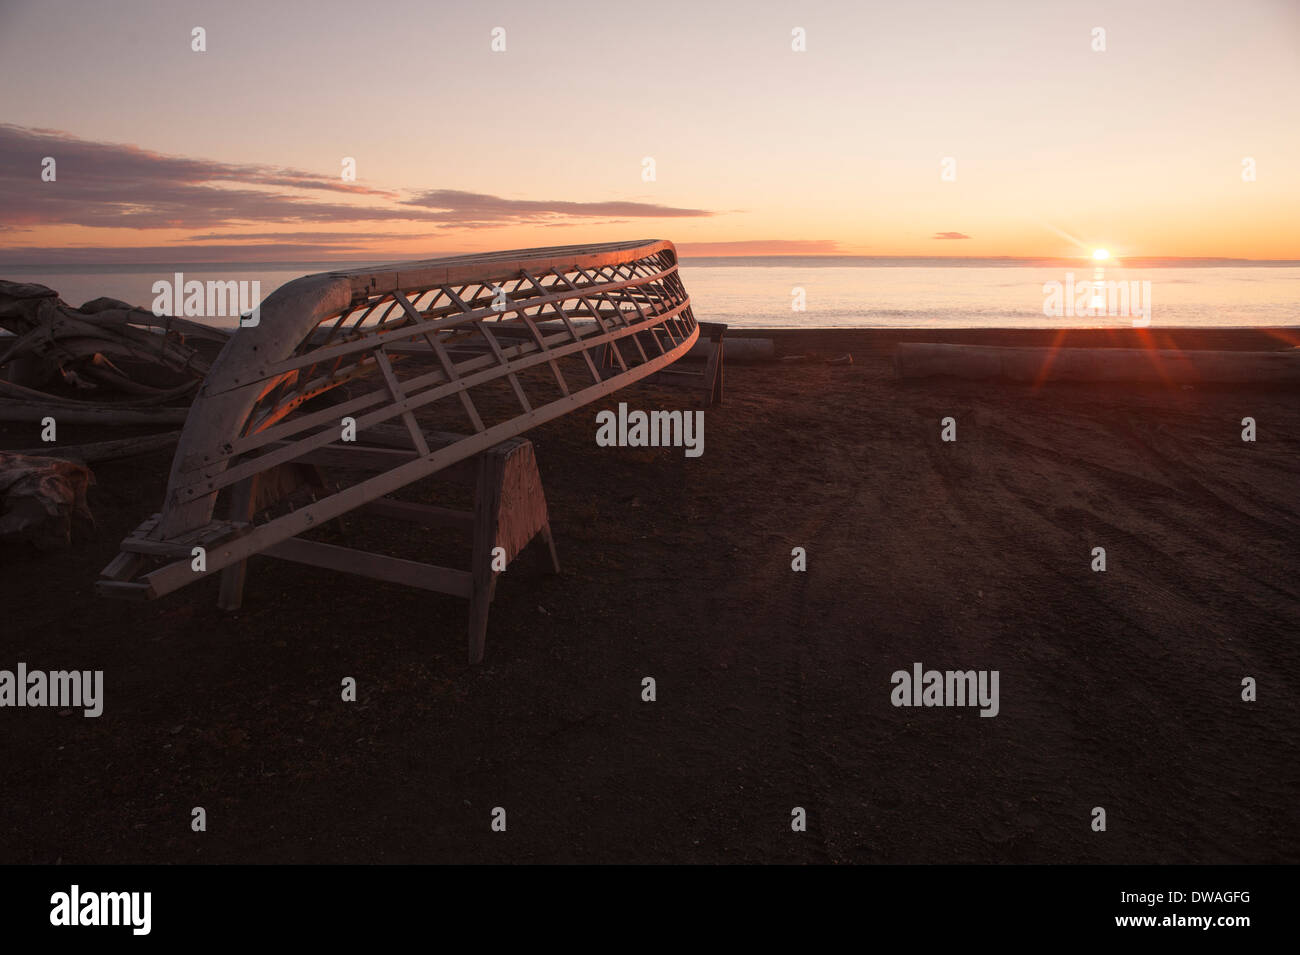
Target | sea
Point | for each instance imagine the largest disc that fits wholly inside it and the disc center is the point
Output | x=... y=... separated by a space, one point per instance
x=844 y=292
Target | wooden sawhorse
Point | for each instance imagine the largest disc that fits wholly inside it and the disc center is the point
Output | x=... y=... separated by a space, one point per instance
x=509 y=511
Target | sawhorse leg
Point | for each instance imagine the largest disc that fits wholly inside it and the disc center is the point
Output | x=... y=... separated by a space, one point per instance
x=550 y=545
x=487 y=508
x=242 y=497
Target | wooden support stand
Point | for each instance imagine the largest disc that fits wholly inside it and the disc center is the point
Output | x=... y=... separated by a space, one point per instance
x=702 y=368
x=509 y=511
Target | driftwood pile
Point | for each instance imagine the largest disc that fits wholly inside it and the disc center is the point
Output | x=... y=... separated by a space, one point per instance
x=106 y=356
x=106 y=363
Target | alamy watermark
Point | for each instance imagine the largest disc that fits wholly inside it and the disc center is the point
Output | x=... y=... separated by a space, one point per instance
x=75 y=907
x=211 y=299
x=946 y=688
x=61 y=689
x=1097 y=297
x=655 y=429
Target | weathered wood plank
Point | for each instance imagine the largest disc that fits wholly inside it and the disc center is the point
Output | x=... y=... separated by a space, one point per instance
x=928 y=359
x=394 y=570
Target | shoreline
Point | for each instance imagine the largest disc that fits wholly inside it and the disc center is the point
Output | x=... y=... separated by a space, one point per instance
x=1119 y=689
x=1226 y=338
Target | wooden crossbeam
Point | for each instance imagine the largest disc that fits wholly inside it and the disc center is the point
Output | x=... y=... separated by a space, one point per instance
x=211 y=478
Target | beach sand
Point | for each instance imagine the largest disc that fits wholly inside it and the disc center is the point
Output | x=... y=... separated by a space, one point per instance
x=1119 y=689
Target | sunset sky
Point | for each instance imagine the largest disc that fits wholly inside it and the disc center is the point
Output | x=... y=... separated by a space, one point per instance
x=236 y=153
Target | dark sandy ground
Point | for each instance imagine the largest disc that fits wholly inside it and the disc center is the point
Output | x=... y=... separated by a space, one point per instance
x=1119 y=690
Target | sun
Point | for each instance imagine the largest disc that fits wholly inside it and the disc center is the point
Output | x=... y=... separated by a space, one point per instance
x=1100 y=254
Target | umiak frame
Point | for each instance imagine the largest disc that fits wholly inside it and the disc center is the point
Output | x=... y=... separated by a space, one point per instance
x=479 y=319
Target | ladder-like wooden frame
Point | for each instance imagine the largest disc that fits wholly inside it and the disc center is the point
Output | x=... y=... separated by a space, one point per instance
x=476 y=321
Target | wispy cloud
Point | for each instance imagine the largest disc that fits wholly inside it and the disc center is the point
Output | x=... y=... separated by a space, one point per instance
x=762 y=247
x=324 y=238
x=476 y=208
x=950 y=235
x=110 y=185
x=118 y=186
x=253 y=253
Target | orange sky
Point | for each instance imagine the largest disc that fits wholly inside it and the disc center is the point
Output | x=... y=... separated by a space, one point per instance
x=1058 y=148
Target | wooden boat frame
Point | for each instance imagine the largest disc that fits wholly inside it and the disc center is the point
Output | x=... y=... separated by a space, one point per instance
x=477 y=320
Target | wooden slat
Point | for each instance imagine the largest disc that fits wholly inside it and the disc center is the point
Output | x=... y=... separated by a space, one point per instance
x=429 y=515
x=128 y=590
x=395 y=390
x=568 y=324
x=202 y=485
x=447 y=368
x=394 y=570
x=169 y=578
x=505 y=362
x=595 y=314
x=522 y=356
x=423 y=327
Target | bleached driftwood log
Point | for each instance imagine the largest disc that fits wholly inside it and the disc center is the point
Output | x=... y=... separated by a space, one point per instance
x=34 y=412
x=927 y=359
x=106 y=450
x=109 y=349
x=741 y=350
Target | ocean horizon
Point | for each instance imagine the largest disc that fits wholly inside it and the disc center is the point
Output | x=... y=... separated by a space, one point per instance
x=838 y=291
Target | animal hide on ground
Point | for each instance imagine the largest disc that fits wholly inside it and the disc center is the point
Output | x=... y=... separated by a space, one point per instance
x=39 y=498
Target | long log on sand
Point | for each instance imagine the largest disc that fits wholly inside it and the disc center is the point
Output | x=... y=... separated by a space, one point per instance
x=738 y=350
x=106 y=450
x=30 y=413
x=927 y=359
